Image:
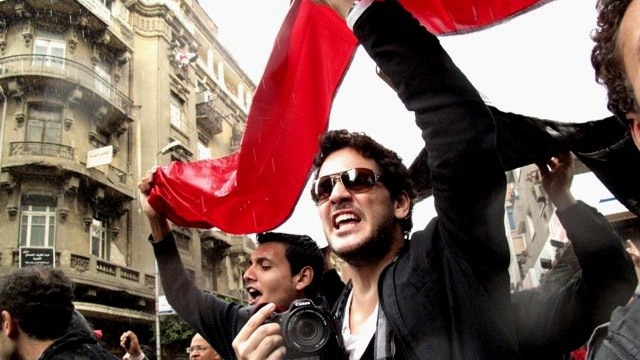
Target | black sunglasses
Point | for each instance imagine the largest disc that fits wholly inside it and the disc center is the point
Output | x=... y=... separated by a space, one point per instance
x=355 y=180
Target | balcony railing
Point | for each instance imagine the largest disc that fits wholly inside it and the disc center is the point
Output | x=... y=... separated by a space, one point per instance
x=70 y=70
x=41 y=149
x=98 y=9
x=118 y=175
x=91 y=267
x=81 y=263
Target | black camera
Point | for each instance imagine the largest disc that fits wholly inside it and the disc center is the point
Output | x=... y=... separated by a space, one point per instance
x=307 y=328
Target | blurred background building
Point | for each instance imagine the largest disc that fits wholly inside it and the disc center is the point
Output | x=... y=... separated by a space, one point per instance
x=94 y=93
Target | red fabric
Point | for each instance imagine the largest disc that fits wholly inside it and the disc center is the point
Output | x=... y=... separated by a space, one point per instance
x=256 y=188
x=459 y=16
x=579 y=354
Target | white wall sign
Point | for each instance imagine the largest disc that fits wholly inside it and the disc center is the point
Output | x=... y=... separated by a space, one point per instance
x=99 y=156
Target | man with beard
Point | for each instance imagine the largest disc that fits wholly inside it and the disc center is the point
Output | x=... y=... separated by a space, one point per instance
x=443 y=294
x=38 y=319
x=617 y=66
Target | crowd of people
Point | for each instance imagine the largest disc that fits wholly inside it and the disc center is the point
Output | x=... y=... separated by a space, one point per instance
x=441 y=292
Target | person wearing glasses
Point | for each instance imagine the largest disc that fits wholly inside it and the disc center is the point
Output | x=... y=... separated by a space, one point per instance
x=200 y=349
x=442 y=292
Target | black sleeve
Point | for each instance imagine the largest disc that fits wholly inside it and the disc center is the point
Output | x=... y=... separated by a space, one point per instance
x=551 y=321
x=457 y=127
x=467 y=176
x=209 y=315
x=607 y=269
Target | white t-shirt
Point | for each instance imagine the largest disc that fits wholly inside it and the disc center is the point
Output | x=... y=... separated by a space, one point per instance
x=355 y=345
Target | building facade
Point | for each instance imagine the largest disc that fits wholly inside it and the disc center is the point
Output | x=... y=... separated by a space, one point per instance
x=94 y=93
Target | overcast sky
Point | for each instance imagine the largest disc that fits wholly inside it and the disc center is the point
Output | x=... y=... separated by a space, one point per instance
x=535 y=64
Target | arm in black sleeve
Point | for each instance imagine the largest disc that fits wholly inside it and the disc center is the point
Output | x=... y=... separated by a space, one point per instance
x=552 y=322
x=607 y=269
x=468 y=180
x=209 y=315
x=457 y=128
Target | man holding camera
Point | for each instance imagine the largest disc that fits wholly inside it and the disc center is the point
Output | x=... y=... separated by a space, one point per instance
x=284 y=267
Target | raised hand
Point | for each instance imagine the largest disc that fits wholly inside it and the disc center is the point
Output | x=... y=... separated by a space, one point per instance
x=557 y=175
x=342 y=7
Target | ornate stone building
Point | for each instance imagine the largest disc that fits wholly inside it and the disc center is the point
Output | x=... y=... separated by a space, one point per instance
x=93 y=94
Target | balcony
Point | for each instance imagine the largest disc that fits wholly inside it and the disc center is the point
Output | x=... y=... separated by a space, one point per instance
x=24 y=155
x=208 y=118
x=90 y=16
x=73 y=72
x=115 y=274
x=112 y=273
x=41 y=149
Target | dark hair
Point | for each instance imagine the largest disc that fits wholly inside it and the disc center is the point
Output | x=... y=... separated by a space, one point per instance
x=301 y=251
x=606 y=58
x=395 y=175
x=40 y=299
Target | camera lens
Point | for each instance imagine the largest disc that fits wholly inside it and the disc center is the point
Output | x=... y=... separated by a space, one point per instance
x=307 y=330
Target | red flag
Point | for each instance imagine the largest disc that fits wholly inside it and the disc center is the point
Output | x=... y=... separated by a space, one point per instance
x=459 y=16
x=256 y=188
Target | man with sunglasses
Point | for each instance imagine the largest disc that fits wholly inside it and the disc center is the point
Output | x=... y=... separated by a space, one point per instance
x=443 y=294
x=284 y=267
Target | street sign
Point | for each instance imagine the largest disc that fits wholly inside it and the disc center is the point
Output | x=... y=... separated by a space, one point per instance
x=43 y=256
x=163 y=306
x=100 y=156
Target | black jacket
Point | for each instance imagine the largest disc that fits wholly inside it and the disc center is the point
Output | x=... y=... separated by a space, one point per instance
x=447 y=294
x=552 y=321
x=78 y=343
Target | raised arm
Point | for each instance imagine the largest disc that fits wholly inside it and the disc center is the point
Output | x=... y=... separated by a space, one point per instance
x=457 y=127
x=551 y=321
x=209 y=315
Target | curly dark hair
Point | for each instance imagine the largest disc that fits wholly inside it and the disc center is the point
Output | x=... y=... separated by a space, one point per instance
x=40 y=299
x=301 y=251
x=394 y=174
x=606 y=58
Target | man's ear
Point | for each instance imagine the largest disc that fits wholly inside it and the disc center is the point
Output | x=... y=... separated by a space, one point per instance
x=9 y=326
x=304 y=278
x=634 y=127
x=403 y=203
